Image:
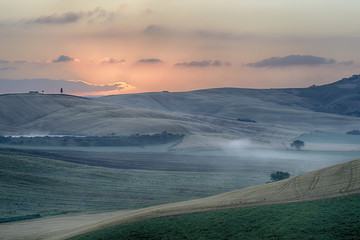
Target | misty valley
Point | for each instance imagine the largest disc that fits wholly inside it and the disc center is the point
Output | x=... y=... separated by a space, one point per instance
x=45 y=177
x=173 y=120
x=64 y=156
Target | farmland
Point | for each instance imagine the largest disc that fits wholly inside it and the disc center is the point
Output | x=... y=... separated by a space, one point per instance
x=42 y=181
x=326 y=219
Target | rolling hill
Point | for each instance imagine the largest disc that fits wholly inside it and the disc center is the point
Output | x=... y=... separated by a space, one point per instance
x=41 y=114
x=334 y=181
x=217 y=123
x=339 y=180
x=341 y=97
x=263 y=115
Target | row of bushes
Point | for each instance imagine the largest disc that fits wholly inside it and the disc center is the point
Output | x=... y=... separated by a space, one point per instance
x=95 y=141
x=353 y=132
x=19 y=218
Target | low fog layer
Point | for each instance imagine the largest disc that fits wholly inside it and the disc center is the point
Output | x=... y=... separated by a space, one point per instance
x=284 y=157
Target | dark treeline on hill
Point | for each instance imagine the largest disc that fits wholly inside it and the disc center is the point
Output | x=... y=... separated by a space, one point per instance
x=353 y=132
x=94 y=141
x=246 y=120
x=341 y=97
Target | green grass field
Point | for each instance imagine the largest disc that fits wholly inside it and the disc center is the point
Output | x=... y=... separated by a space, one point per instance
x=327 y=219
x=38 y=184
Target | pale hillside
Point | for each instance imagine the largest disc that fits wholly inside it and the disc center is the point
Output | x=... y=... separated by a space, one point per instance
x=204 y=116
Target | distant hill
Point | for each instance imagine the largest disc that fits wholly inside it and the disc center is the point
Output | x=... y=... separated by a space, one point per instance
x=341 y=97
x=270 y=114
x=41 y=114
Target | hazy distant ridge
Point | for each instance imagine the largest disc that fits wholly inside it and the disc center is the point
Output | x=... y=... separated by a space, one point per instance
x=273 y=114
x=341 y=97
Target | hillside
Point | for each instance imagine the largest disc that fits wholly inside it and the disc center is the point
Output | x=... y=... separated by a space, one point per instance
x=336 y=218
x=341 y=97
x=302 y=108
x=205 y=116
x=330 y=182
x=334 y=181
x=42 y=114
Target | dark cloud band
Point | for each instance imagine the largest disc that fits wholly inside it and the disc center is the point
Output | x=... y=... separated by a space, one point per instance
x=63 y=58
x=150 y=60
x=204 y=63
x=73 y=17
x=292 y=60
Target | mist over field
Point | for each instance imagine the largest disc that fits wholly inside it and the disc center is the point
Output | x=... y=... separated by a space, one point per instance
x=63 y=155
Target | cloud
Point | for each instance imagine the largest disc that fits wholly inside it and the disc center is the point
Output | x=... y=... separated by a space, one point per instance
x=149 y=60
x=73 y=17
x=20 y=61
x=155 y=30
x=63 y=59
x=220 y=35
x=2 y=61
x=7 y=68
x=292 y=60
x=204 y=63
x=107 y=60
x=53 y=86
x=347 y=63
x=68 y=17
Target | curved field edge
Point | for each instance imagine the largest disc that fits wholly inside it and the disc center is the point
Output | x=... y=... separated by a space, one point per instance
x=335 y=181
x=337 y=218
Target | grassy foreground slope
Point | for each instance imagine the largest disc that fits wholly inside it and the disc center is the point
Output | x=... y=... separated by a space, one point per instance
x=35 y=183
x=337 y=218
x=335 y=181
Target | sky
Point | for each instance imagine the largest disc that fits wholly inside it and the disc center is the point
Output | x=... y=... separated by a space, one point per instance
x=103 y=47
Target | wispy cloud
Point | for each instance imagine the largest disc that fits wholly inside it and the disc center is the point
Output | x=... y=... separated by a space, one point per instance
x=73 y=17
x=155 y=30
x=63 y=59
x=2 y=61
x=149 y=60
x=220 y=35
x=292 y=60
x=20 y=61
x=107 y=60
x=347 y=63
x=204 y=63
x=7 y=68
x=68 y=17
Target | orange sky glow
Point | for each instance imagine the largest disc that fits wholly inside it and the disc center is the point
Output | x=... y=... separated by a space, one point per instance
x=156 y=45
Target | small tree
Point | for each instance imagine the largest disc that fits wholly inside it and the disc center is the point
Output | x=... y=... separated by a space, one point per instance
x=297 y=144
x=278 y=175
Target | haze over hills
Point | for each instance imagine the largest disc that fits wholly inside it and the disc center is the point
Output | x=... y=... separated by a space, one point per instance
x=276 y=115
